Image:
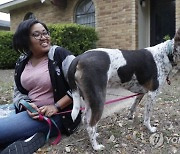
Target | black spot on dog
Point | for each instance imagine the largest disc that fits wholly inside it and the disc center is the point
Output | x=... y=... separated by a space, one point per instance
x=140 y=63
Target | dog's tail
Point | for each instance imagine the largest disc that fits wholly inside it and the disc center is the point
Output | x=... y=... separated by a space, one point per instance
x=76 y=105
x=74 y=88
x=92 y=85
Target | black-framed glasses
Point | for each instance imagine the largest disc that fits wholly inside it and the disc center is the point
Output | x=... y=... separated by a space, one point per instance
x=38 y=35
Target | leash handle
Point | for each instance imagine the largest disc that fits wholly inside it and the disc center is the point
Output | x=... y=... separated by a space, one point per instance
x=41 y=118
x=49 y=121
x=58 y=138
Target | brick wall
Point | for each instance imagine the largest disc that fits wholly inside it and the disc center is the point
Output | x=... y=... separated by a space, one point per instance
x=116 y=23
x=116 y=20
x=45 y=12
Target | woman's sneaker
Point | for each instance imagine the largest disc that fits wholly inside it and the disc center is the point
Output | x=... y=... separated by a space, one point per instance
x=27 y=146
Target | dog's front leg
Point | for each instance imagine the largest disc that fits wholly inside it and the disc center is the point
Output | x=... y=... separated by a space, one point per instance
x=151 y=99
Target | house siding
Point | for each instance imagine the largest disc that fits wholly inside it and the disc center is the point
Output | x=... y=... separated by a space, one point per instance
x=46 y=13
x=116 y=21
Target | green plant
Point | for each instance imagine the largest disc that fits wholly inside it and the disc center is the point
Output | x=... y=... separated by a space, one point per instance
x=74 y=37
x=8 y=56
x=166 y=37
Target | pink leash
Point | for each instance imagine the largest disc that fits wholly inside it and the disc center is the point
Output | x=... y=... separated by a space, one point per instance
x=50 y=120
x=123 y=98
x=108 y=102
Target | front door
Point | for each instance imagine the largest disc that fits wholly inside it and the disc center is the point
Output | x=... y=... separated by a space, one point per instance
x=162 y=20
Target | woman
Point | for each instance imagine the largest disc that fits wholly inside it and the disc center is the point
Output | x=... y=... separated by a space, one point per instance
x=40 y=80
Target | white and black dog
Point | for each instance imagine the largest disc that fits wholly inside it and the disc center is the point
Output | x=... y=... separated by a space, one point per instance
x=140 y=71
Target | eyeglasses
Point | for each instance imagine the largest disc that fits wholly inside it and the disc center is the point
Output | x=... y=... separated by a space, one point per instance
x=38 y=35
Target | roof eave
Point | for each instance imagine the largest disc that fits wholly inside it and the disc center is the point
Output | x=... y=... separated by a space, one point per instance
x=15 y=4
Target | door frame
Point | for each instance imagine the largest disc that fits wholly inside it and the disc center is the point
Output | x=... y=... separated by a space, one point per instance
x=144 y=24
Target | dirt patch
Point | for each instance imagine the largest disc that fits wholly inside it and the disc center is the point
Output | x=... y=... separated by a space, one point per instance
x=120 y=135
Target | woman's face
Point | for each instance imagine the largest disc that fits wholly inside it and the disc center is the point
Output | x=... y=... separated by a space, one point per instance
x=39 y=40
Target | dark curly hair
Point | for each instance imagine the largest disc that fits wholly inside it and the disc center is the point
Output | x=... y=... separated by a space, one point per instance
x=21 y=37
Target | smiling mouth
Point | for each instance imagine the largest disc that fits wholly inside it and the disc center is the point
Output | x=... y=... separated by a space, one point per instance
x=44 y=44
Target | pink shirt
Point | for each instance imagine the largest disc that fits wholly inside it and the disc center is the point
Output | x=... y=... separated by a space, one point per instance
x=37 y=81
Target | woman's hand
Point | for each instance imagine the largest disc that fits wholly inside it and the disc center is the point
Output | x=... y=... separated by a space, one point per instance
x=48 y=110
x=36 y=114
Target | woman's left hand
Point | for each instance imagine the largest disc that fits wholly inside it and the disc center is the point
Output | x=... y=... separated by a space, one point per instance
x=48 y=110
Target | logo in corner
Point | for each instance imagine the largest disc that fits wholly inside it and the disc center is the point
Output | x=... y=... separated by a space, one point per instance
x=156 y=139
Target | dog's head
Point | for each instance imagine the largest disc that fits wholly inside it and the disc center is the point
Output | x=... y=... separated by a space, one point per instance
x=176 y=52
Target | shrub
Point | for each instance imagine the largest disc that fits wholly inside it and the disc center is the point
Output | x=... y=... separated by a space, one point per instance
x=74 y=37
x=8 y=56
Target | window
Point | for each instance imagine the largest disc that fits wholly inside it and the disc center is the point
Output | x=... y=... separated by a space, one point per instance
x=29 y=15
x=85 y=13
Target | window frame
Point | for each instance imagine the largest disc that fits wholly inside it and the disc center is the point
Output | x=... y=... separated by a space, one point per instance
x=87 y=15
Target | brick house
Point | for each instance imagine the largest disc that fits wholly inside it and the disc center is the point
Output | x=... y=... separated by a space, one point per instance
x=129 y=24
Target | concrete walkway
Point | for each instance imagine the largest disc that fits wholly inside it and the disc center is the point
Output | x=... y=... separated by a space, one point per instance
x=116 y=93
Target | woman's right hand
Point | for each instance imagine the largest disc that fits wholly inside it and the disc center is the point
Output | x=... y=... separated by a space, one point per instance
x=34 y=115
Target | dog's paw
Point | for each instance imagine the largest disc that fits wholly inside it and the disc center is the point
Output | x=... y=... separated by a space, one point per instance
x=153 y=129
x=97 y=134
x=130 y=116
x=99 y=147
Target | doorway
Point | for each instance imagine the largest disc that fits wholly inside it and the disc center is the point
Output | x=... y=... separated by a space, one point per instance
x=162 y=20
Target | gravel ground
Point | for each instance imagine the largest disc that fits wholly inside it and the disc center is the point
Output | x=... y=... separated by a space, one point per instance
x=6 y=86
x=116 y=133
